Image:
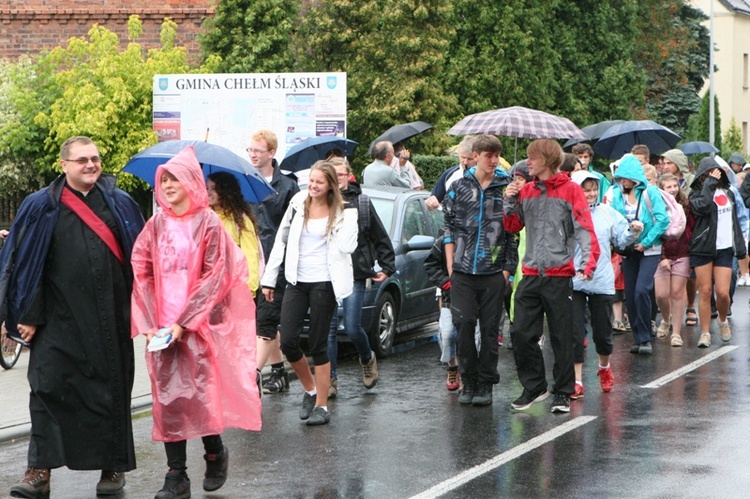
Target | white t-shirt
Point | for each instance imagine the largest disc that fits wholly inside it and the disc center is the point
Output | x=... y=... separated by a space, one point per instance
x=724 y=221
x=313 y=259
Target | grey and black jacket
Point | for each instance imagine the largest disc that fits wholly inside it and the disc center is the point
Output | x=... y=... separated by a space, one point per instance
x=474 y=224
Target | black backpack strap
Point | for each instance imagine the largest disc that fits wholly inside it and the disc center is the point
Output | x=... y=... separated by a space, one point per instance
x=364 y=212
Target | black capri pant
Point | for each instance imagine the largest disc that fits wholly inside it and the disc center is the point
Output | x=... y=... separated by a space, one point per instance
x=600 y=310
x=318 y=297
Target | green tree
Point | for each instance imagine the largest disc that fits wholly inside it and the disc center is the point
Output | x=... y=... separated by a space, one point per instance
x=393 y=52
x=732 y=139
x=698 y=128
x=91 y=87
x=251 y=36
x=673 y=50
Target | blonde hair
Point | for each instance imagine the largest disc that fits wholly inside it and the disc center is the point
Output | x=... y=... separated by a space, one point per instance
x=272 y=142
x=649 y=168
x=333 y=198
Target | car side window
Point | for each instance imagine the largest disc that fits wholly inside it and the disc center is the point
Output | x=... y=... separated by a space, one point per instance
x=414 y=221
x=438 y=221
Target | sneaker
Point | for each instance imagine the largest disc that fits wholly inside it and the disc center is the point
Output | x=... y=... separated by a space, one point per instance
x=278 y=381
x=466 y=395
x=110 y=483
x=541 y=342
x=453 y=379
x=560 y=404
x=318 y=416
x=725 y=331
x=500 y=340
x=176 y=486
x=216 y=470
x=635 y=348
x=743 y=281
x=645 y=348
x=308 y=402
x=35 y=484
x=528 y=398
x=370 y=371
x=578 y=393
x=482 y=394
x=606 y=378
x=705 y=340
x=714 y=313
x=333 y=390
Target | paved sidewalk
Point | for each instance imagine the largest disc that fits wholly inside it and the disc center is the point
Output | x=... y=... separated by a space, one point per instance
x=14 y=393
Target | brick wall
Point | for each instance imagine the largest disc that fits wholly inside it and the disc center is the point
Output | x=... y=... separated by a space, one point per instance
x=27 y=26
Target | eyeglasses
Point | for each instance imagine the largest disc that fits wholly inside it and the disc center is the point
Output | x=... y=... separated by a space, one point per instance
x=85 y=161
x=256 y=151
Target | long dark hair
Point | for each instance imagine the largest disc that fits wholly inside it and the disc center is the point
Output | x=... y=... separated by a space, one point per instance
x=231 y=202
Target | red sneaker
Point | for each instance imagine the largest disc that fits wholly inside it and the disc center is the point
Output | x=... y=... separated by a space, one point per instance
x=453 y=381
x=606 y=379
x=578 y=393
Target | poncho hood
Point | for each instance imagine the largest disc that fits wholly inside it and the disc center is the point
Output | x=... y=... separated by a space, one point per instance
x=187 y=170
x=631 y=169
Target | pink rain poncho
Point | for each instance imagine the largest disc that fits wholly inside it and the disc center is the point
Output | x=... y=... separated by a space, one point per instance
x=188 y=271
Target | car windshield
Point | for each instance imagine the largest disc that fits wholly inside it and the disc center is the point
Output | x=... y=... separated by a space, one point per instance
x=384 y=209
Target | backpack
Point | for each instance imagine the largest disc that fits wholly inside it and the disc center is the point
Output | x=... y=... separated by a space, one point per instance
x=677 y=219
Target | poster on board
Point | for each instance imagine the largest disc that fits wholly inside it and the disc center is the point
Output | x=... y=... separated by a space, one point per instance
x=225 y=109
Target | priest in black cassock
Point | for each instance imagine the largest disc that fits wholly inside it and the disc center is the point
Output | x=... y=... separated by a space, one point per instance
x=65 y=283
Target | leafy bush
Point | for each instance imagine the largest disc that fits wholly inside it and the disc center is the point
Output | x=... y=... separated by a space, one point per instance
x=431 y=167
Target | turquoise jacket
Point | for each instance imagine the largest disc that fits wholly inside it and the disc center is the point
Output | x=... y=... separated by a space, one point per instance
x=654 y=224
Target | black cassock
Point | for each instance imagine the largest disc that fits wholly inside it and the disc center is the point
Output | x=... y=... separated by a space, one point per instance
x=81 y=365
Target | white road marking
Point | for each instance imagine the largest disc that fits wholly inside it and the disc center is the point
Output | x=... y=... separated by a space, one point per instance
x=500 y=459
x=689 y=367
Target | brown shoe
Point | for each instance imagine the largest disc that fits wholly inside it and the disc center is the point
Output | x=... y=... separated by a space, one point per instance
x=370 y=371
x=35 y=484
x=110 y=483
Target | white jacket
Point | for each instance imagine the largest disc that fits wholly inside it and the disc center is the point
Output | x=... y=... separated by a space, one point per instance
x=342 y=241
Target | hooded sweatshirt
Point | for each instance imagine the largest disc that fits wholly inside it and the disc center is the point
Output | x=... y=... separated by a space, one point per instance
x=654 y=223
x=706 y=212
x=188 y=271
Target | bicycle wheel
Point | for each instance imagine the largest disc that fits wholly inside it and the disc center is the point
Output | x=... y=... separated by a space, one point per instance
x=11 y=350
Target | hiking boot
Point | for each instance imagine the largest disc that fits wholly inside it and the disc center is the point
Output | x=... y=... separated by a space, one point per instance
x=110 y=483
x=216 y=470
x=333 y=390
x=370 y=371
x=308 y=402
x=482 y=394
x=278 y=381
x=176 y=486
x=34 y=485
x=528 y=398
x=467 y=393
x=606 y=378
x=318 y=416
x=453 y=380
x=725 y=331
x=560 y=404
x=578 y=393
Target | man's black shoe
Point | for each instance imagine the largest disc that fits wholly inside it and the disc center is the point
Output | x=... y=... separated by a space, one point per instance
x=176 y=486
x=466 y=395
x=483 y=394
x=529 y=398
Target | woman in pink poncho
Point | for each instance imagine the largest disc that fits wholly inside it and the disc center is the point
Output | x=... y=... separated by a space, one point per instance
x=190 y=281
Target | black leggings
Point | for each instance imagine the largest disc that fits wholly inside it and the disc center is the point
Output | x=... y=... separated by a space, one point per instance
x=177 y=451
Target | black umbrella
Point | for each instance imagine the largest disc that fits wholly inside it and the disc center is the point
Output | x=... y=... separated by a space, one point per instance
x=398 y=133
x=620 y=139
x=593 y=132
x=697 y=147
x=307 y=152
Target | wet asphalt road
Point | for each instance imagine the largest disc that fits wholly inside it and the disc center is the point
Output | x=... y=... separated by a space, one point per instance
x=408 y=435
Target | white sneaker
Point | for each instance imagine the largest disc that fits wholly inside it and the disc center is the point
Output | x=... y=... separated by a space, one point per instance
x=743 y=281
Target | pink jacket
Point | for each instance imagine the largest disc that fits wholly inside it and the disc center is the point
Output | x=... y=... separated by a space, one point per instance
x=188 y=271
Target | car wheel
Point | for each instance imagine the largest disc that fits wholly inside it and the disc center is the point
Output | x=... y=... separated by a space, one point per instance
x=383 y=329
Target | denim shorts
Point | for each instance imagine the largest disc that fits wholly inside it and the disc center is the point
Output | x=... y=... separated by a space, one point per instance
x=723 y=258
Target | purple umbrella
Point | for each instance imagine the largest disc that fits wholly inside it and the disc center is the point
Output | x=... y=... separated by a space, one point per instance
x=518 y=122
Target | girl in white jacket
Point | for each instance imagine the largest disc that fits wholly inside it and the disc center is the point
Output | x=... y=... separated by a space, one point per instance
x=315 y=240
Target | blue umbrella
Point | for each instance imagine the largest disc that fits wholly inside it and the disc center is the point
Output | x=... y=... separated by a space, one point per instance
x=593 y=132
x=697 y=147
x=620 y=139
x=303 y=155
x=213 y=158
